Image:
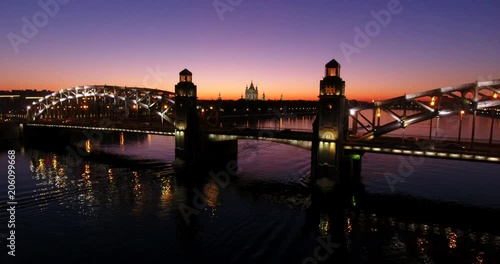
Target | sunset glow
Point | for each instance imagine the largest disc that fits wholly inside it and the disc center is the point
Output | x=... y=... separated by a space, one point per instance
x=282 y=47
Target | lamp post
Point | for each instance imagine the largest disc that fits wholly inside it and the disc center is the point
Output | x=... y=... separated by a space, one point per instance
x=492 y=124
x=493 y=112
x=432 y=103
x=437 y=130
x=378 y=117
x=462 y=112
x=430 y=129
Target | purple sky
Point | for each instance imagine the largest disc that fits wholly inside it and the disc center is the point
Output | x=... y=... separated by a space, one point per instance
x=281 y=45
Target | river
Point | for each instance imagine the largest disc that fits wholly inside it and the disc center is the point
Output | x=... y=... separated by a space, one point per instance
x=121 y=200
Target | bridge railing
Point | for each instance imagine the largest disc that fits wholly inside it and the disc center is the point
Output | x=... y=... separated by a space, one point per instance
x=446 y=139
x=274 y=128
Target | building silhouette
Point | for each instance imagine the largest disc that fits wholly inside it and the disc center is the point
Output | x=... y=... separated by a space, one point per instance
x=15 y=102
x=251 y=93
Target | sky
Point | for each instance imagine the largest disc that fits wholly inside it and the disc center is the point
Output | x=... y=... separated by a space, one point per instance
x=386 y=47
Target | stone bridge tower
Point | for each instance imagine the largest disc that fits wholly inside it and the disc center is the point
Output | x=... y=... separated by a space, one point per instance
x=329 y=129
x=186 y=118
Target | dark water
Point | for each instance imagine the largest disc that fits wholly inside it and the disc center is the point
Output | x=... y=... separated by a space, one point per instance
x=123 y=201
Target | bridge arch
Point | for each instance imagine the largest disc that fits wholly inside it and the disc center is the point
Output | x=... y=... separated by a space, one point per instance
x=452 y=100
x=104 y=101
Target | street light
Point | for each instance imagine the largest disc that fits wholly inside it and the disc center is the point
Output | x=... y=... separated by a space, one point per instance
x=432 y=103
x=378 y=117
x=462 y=112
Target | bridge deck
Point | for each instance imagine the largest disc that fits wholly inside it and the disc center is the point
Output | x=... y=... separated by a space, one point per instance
x=388 y=145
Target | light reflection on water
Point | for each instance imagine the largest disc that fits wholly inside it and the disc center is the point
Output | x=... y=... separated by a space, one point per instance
x=447 y=128
x=128 y=204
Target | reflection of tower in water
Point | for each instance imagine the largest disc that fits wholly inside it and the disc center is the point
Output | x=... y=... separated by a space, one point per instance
x=211 y=192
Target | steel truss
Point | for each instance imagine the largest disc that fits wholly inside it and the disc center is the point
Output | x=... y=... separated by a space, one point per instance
x=104 y=100
x=461 y=99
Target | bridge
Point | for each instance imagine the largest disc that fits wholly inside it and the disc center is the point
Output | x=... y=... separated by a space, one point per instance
x=336 y=149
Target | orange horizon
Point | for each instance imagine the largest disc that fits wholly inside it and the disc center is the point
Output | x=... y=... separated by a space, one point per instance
x=209 y=95
x=366 y=87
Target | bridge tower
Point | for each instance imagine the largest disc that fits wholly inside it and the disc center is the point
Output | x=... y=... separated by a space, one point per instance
x=186 y=119
x=329 y=129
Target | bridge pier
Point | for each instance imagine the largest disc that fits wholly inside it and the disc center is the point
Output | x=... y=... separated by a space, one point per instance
x=192 y=146
x=11 y=131
x=331 y=168
x=351 y=170
x=217 y=152
x=343 y=179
